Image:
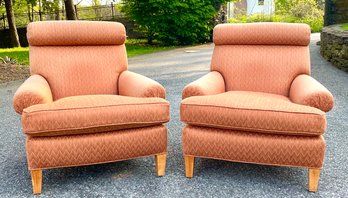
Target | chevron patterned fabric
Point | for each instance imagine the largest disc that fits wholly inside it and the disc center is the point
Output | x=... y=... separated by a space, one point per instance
x=258 y=148
x=271 y=111
x=87 y=149
x=72 y=111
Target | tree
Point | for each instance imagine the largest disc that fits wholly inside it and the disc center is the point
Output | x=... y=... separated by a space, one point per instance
x=12 y=24
x=173 y=22
x=70 y=10
x=51 y=7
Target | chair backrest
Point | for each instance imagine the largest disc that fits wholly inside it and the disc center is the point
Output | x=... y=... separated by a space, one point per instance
x=78 y=57
x=263 y=57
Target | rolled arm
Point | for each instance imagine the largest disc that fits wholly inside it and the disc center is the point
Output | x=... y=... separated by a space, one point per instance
x=209 y=84
x=136 y=85
x=35 y=90
x=306 y=90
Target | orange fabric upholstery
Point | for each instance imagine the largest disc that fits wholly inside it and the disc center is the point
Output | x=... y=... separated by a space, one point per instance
x=93 y=113
x=35 y=90
x=209 y=84
x=260 y=68
x=78 y=57
x=253 y=111
x=72 y=112
x=59 y=33
x=132 y=84
x=87 y=149
x=258 y=148
x=79 y=70
x=260 y=56
x=271 y=112
x=262 y=34
x=307 y=91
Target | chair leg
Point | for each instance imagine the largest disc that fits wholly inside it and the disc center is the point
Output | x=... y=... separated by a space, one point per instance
x=189 y=166
x=36 y=180
x=160 y=161
x=313 y=179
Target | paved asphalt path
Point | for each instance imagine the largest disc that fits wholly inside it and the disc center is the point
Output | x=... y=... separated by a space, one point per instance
x=136 y=178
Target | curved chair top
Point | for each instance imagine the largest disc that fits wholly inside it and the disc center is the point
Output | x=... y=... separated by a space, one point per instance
x=74 y=33
x=262 y=34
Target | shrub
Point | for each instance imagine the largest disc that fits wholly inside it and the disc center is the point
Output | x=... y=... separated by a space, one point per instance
x=316 y=24
x=173 y=22
x=290 y=11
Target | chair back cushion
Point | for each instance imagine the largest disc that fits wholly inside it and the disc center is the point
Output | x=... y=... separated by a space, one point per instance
x=263 y=57
x=78 y=57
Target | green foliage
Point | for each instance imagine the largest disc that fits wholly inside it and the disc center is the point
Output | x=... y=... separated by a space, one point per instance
x=173 y=22
x=316 y=24
x=299 y=8
x=290 y=11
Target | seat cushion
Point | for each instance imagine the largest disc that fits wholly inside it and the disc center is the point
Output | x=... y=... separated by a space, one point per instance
x=253 y=111
x=92 y=114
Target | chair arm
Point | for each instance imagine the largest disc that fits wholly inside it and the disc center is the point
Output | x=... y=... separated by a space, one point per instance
x=209 y=84
x=35 y=90
x=306 y=90
x=136 y=85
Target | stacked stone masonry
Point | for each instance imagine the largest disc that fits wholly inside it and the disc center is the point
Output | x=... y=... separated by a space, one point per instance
x=334 y=46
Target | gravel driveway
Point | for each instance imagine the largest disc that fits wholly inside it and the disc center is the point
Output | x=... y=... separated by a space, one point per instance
x=136 y=178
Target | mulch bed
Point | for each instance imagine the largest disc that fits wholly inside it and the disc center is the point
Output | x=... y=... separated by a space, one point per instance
x=11 y=72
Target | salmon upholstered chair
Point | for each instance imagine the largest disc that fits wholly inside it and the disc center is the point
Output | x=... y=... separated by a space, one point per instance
x=258 y=104
x=81 y=106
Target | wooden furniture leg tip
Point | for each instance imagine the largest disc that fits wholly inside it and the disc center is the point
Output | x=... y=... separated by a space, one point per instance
x=160 y=161
x=313 y=179
x=189 y=166
x=36 y=180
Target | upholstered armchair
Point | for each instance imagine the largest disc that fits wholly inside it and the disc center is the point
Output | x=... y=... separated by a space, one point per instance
x=81 y=106
x=259 y=103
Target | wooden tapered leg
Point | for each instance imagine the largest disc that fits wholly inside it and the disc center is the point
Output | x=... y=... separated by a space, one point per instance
x=189 y=166
x=160 y=161
x=313 y=179
x=36 y=180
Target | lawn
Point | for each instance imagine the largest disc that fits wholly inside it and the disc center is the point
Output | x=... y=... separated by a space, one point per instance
x=21 y=55
x=134 y=48
x=345 y=26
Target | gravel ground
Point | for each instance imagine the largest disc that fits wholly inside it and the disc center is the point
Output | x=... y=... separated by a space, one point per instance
x=10 y=72
x=136 y=178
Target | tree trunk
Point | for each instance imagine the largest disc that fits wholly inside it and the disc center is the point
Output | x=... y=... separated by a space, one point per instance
x=40 y=12
x=70 y=10
x=29 y=12
x=12 y=24
x=56 y=10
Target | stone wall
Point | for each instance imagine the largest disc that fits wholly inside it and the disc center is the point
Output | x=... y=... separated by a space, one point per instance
x=336 y=11
x=334 y=46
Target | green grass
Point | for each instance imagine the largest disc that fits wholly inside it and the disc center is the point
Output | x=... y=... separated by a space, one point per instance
x=21 y=55
x=345 y=26
x=134 y=48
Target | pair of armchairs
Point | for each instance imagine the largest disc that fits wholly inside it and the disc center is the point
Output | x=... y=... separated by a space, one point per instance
x=257 y=105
